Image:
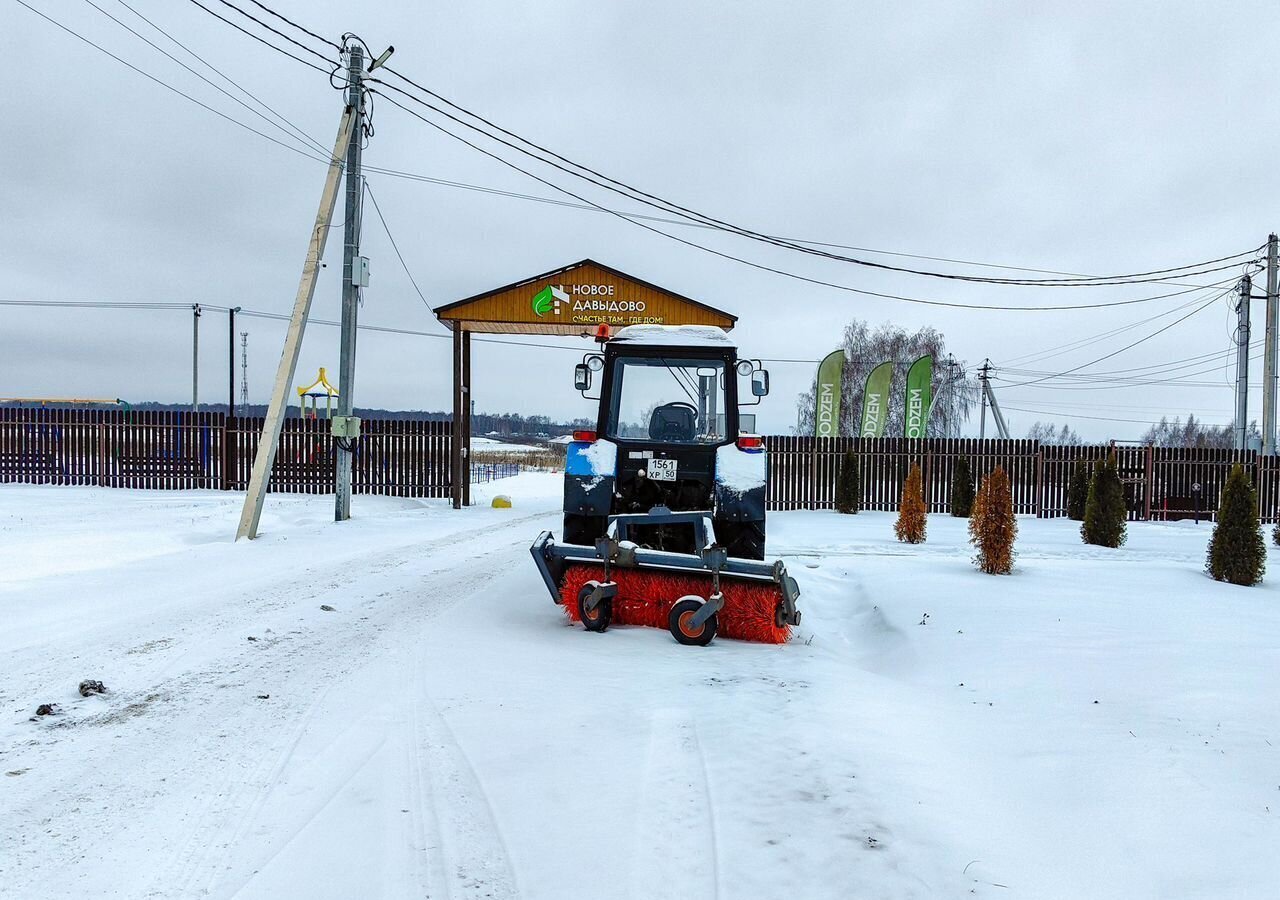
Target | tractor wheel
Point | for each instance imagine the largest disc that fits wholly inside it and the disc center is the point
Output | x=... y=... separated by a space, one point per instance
x=744 y=540
x=594 y=619
x=583 y=530
x=682 y=629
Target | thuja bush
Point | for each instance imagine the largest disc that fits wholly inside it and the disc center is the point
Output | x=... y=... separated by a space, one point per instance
x=1104 y=511
x=1078 y=490
x=912 y=521
x=1237 y=552
x=849 y=485
x=992 y=527
x=961 y=489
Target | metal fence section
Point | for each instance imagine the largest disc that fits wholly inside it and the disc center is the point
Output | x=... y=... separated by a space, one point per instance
x=482 y=473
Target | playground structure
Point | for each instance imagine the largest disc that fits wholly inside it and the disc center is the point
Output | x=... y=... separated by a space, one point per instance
x=313 y=392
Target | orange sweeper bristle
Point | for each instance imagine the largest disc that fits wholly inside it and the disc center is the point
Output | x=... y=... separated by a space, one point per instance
x=646 y=598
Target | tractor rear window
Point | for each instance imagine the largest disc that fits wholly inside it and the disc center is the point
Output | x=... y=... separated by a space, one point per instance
x=667 y=400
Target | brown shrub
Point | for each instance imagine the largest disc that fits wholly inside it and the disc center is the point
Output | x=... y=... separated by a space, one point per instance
x=992 y=527
x=912 y=521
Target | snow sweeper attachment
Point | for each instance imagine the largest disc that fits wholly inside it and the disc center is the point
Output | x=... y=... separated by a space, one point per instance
x=694 y=595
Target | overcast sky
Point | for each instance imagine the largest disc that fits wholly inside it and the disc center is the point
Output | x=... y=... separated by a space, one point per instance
x=1089 y=138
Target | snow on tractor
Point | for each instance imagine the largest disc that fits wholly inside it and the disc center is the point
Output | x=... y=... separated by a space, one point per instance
x=664 y=503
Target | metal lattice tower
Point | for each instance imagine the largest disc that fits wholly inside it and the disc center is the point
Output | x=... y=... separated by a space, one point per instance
x=244 y=369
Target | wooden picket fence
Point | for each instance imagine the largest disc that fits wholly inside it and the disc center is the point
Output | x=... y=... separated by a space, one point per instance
x=1160 y=483
x=183 y=450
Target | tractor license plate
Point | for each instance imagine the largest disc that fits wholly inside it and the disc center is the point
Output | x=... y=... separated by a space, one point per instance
x=662 y=469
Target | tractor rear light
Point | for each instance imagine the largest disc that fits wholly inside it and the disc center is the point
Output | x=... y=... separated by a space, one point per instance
x=752 y=443
x=587 y=437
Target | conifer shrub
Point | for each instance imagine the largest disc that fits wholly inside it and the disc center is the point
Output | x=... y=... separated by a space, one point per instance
x=1078 y=491
x=1104 y=510
x=1237 y=552
x=849 y=485
x=1275 y=534
x=912 y=521
x=992 y=527
x=962 y=489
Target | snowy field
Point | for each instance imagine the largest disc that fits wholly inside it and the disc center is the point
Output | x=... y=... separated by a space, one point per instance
x=1100 y=724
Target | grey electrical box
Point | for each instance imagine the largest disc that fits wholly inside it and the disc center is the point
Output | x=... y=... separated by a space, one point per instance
x=346 y=427
x=360 y=271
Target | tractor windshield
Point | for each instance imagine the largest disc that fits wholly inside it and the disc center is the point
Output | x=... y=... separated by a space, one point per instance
x=668 y=400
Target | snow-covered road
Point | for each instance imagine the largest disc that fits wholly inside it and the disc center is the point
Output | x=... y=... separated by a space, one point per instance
x=1101 y=724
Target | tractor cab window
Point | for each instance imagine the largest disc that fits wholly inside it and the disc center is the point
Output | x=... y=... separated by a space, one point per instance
x=667 y=400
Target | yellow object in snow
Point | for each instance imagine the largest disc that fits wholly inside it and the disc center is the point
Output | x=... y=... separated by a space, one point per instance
x=502 y=501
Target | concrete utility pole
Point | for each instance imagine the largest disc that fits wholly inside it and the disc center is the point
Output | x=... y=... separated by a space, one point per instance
x=1242 y=363
x=982 y=415
x=350 y=294
x=195 y=357
x=274 y=421
x=989 y=397
x=1269 y=361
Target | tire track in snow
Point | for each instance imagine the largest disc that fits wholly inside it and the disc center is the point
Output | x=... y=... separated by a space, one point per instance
x=674 y=851
x=450 y=587
x=477 y=863
x=233 y=731
x=194 y=858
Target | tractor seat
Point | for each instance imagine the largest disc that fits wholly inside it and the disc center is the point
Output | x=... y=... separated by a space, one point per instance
x=675 y=422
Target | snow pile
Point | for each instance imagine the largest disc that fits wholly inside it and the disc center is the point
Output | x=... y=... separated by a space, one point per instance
x=601 y=458
x=740 y=471
x=675 y=335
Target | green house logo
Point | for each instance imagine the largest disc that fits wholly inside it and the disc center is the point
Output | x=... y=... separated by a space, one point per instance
x=548 y=300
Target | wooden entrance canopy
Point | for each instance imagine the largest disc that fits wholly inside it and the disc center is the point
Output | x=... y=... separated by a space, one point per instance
x=573 y=300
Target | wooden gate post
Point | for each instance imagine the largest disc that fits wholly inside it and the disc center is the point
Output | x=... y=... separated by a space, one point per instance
x=1040 y=480
x=102 y=454
x=1149 y=483
x=813 y=474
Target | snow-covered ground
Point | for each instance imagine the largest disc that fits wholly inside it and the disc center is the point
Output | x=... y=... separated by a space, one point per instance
x=1100 y=724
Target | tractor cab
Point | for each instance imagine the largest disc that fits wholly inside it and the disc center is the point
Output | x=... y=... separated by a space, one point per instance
x=667 y=435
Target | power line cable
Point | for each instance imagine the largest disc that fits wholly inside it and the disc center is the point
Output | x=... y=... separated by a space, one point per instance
x=168 y=86
x=1107 y=356
x=1041 y=412
x=301 y=46
x=1092 y=280
x=261 y=40
x=1118 y=383
x=666 y=220
x=1081 y=343
x=229 y=80
x=668 y=206
x=288 y=21
x=207 y=81
x=777 y=271
x=395 y=246
x=654 y=201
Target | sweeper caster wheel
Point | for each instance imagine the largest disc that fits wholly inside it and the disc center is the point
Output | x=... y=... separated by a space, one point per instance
x=593 y=619
x=681 y=623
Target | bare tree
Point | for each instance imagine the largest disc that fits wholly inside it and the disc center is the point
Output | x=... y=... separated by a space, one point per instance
x=955 y=391
x=1047 y=433
x=1194 y=433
